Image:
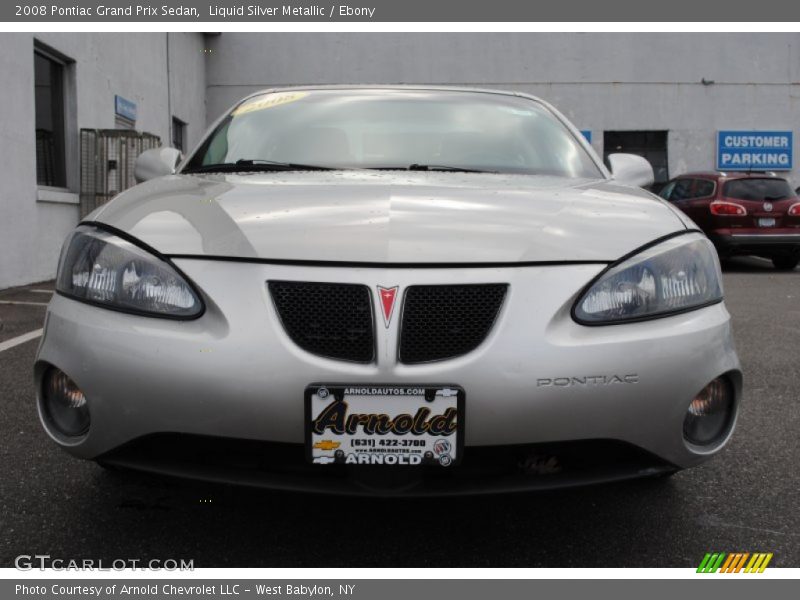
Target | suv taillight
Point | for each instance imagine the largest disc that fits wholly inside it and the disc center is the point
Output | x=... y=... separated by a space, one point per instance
x=727 y=209
x=794 y=210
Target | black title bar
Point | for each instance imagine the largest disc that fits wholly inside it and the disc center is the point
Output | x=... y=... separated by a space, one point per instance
x=401 y=10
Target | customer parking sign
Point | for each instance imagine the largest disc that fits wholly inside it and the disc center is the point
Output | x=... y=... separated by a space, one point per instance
x=754 y=150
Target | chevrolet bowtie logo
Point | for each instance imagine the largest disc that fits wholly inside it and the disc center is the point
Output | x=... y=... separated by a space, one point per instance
x=327 y=445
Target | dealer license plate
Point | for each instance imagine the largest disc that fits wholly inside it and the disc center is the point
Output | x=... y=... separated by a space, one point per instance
x=384 y=424
x=766 y=222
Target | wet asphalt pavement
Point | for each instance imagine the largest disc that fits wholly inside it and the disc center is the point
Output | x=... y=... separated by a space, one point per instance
x=746 y=499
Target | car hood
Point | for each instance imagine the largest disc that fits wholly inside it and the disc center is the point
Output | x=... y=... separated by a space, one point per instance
x=394 y=217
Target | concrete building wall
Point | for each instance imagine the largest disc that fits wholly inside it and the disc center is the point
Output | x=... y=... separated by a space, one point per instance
x=188 y=83
x=34 y=221
x=601 y=81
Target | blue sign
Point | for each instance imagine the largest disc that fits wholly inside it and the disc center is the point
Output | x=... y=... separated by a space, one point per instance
x=754 y=150
x=125 y=108
x=587 y=133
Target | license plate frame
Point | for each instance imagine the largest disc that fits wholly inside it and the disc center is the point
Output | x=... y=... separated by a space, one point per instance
x=449 y=448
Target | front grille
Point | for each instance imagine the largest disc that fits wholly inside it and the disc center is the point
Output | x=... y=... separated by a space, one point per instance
x=445 y=321
x=328 y=319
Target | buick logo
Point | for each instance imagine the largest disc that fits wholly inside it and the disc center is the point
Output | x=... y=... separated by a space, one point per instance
x=768 y=206
x=441 y=447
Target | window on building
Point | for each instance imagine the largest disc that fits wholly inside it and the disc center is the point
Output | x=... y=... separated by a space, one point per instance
x=51 y=169
x=178 y=134
x=651 y=145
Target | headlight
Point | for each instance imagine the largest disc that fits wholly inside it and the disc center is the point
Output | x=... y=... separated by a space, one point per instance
x=104 y=269
x=673 y=276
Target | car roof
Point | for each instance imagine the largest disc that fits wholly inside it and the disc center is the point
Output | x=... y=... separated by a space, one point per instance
x=395 y=87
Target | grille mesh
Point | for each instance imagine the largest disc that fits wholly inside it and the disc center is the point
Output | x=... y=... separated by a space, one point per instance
x=328 y=319
x=445 y=321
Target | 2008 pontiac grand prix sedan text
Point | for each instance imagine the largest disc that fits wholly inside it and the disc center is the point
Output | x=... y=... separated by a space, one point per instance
x=390 y=290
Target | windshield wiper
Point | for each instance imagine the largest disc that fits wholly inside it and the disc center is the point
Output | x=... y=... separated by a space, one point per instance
x=257 y=164
x=420 y=167
x=246 y=164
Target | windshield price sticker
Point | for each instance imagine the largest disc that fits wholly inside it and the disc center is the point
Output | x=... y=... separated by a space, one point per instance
x=268 y=101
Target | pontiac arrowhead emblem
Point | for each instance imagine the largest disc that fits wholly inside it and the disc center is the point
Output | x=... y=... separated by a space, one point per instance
x=387 y=297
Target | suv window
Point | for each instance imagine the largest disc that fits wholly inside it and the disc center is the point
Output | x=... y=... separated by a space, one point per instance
x=666 y=191
x=682 y=190
x=703 y=188
x=758 y=189
x=686 y=189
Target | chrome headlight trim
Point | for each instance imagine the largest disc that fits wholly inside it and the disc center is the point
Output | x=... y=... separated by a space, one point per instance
x=124 y=242
x=672 y=243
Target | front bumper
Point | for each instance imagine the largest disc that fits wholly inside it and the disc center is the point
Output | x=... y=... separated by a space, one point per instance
x=484 y=469
x=234 y=373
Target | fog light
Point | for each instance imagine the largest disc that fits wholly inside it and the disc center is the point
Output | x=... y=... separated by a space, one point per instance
x=709 y=414
x=64 y=404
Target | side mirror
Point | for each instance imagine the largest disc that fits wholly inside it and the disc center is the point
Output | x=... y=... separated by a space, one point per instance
x=156 y=163
x=631 y=169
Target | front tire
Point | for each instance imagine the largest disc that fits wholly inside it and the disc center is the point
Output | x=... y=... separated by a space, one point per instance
x=786 y=262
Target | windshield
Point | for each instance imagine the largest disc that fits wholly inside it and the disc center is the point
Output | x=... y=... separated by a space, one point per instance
x=758 y=189
x=395 y=129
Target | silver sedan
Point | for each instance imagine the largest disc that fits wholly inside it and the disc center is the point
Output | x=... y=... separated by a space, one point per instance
x=396 y=290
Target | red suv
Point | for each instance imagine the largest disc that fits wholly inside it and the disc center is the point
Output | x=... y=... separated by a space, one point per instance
x=742 y=213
